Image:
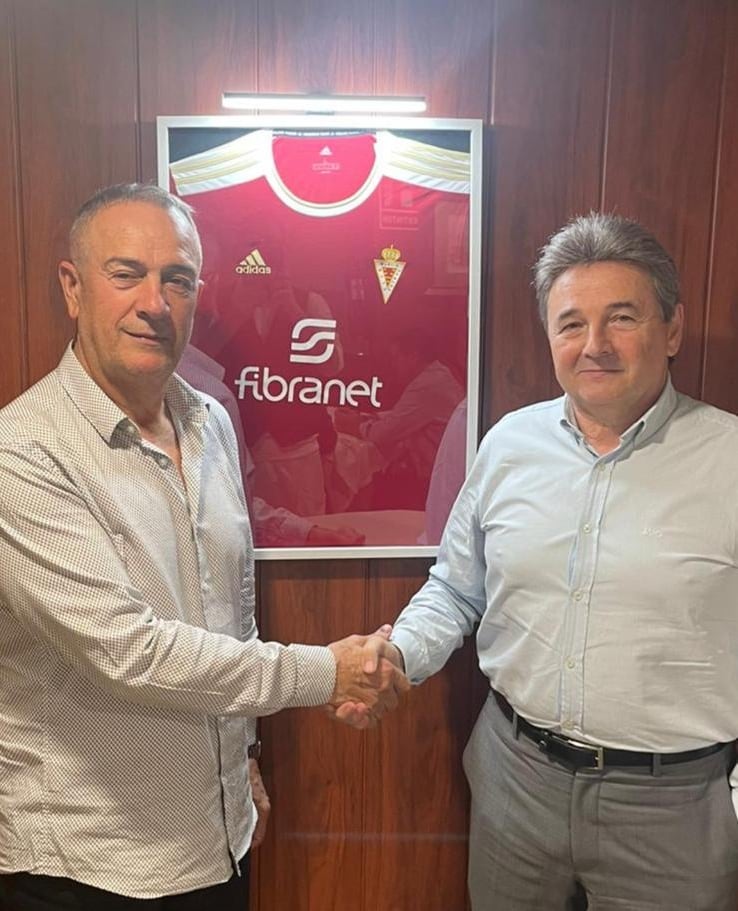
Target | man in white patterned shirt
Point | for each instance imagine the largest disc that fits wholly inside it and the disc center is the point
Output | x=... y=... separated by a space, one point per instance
x=130 y=664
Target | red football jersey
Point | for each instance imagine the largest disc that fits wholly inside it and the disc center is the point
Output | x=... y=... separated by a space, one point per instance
x=336 y=280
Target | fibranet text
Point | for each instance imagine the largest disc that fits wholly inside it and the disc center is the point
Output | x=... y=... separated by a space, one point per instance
x=310 y=390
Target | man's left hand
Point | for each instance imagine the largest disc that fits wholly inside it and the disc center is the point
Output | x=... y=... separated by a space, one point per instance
x=261 y=799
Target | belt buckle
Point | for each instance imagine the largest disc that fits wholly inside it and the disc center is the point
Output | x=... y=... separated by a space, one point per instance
x=547 y=739
x=598 y=760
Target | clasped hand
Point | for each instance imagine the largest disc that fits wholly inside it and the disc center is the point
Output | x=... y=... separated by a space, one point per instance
x=369 y=678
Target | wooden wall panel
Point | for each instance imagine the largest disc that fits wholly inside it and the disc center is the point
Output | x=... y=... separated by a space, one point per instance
x=77 y=110
x=415 y=840
x=315 y=47
x=550 y=81
x=443 y=55
x=313 y=767
x=720 y=343
x=12 y=303
x=662 y=133
x=190 y=53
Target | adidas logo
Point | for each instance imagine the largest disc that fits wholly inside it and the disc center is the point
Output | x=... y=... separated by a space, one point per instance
x=253 y=264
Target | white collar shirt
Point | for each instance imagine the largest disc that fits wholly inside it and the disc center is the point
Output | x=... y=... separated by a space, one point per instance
x=130 y=666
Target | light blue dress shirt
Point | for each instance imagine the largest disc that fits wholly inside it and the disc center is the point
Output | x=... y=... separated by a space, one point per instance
x=605 y=588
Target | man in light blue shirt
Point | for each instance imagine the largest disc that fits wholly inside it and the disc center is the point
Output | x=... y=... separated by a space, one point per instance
x=594 y=546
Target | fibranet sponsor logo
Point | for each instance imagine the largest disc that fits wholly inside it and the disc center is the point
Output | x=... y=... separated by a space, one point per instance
x=264 y=386
x=310 y=390
x=253 y=264
x=300 y=347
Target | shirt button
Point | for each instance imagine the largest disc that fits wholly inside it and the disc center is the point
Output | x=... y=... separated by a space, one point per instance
x=578 y=595
x=130 y=429
x=601 y=467
x=587 y=528
x=163 y=461
x=571 y=663
x=568 y=725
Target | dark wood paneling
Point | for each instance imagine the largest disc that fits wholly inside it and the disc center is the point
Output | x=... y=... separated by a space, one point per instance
x=77 y=113
x=314 y=768
x=662 y=133
x=720 y=384
x=443 y=55
x=447 y=59
x=12 y=311
x=416 y=803
x=550 y=82
x=315 y=47
x=190 y=53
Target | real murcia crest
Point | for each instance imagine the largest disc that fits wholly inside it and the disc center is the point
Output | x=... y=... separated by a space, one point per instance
x=389 y=269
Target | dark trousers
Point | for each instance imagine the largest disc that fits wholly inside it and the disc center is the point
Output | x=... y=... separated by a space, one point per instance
x=30 y=892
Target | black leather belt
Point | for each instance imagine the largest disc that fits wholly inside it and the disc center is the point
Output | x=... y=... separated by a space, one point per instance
x=575 y=756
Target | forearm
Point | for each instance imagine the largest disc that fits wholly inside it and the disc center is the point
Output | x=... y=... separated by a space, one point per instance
x=431 y=627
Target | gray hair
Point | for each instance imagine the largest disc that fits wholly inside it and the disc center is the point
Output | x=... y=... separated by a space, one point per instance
x=122 y=193
x=603 y=237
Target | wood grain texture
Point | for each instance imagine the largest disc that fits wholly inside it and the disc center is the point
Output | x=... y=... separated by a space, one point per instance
x=190 y=53
x=309 y=47
x=77 y=115
x=550 y=81
x=662 y=134
x=314 y=768
x=12 y=296
x=720 y=342
x=417 y=798
x=437 y=51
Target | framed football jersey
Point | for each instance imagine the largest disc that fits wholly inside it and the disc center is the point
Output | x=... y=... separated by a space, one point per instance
x=339 y=319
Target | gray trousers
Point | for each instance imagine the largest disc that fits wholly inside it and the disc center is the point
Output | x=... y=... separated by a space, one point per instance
x=630 y=840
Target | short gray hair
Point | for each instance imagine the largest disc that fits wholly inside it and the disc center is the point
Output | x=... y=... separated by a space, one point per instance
x=122 y=193
x=603 y=237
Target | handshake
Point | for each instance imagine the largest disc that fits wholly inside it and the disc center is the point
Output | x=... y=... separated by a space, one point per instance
x=369 y=678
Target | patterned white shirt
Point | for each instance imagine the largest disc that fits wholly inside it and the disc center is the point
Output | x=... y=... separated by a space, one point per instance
x=129 y=660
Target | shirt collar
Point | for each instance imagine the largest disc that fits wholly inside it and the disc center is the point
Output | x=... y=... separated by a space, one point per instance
x=643 y=429
x=110 y=421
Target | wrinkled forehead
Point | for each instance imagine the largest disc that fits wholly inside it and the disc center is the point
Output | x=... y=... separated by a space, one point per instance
x=601 y=284
x=144 y=226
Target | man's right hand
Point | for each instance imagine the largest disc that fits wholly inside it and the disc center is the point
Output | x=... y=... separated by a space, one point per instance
x=369 y=678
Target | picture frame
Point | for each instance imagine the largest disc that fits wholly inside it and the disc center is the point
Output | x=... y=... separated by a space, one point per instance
x=339 y=320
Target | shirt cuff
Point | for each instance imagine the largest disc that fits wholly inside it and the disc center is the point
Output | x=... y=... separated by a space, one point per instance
x=406 y=642
x=316 y=675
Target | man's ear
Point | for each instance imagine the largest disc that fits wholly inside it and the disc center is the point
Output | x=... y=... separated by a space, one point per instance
x=676 y=331
x=70 y=283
